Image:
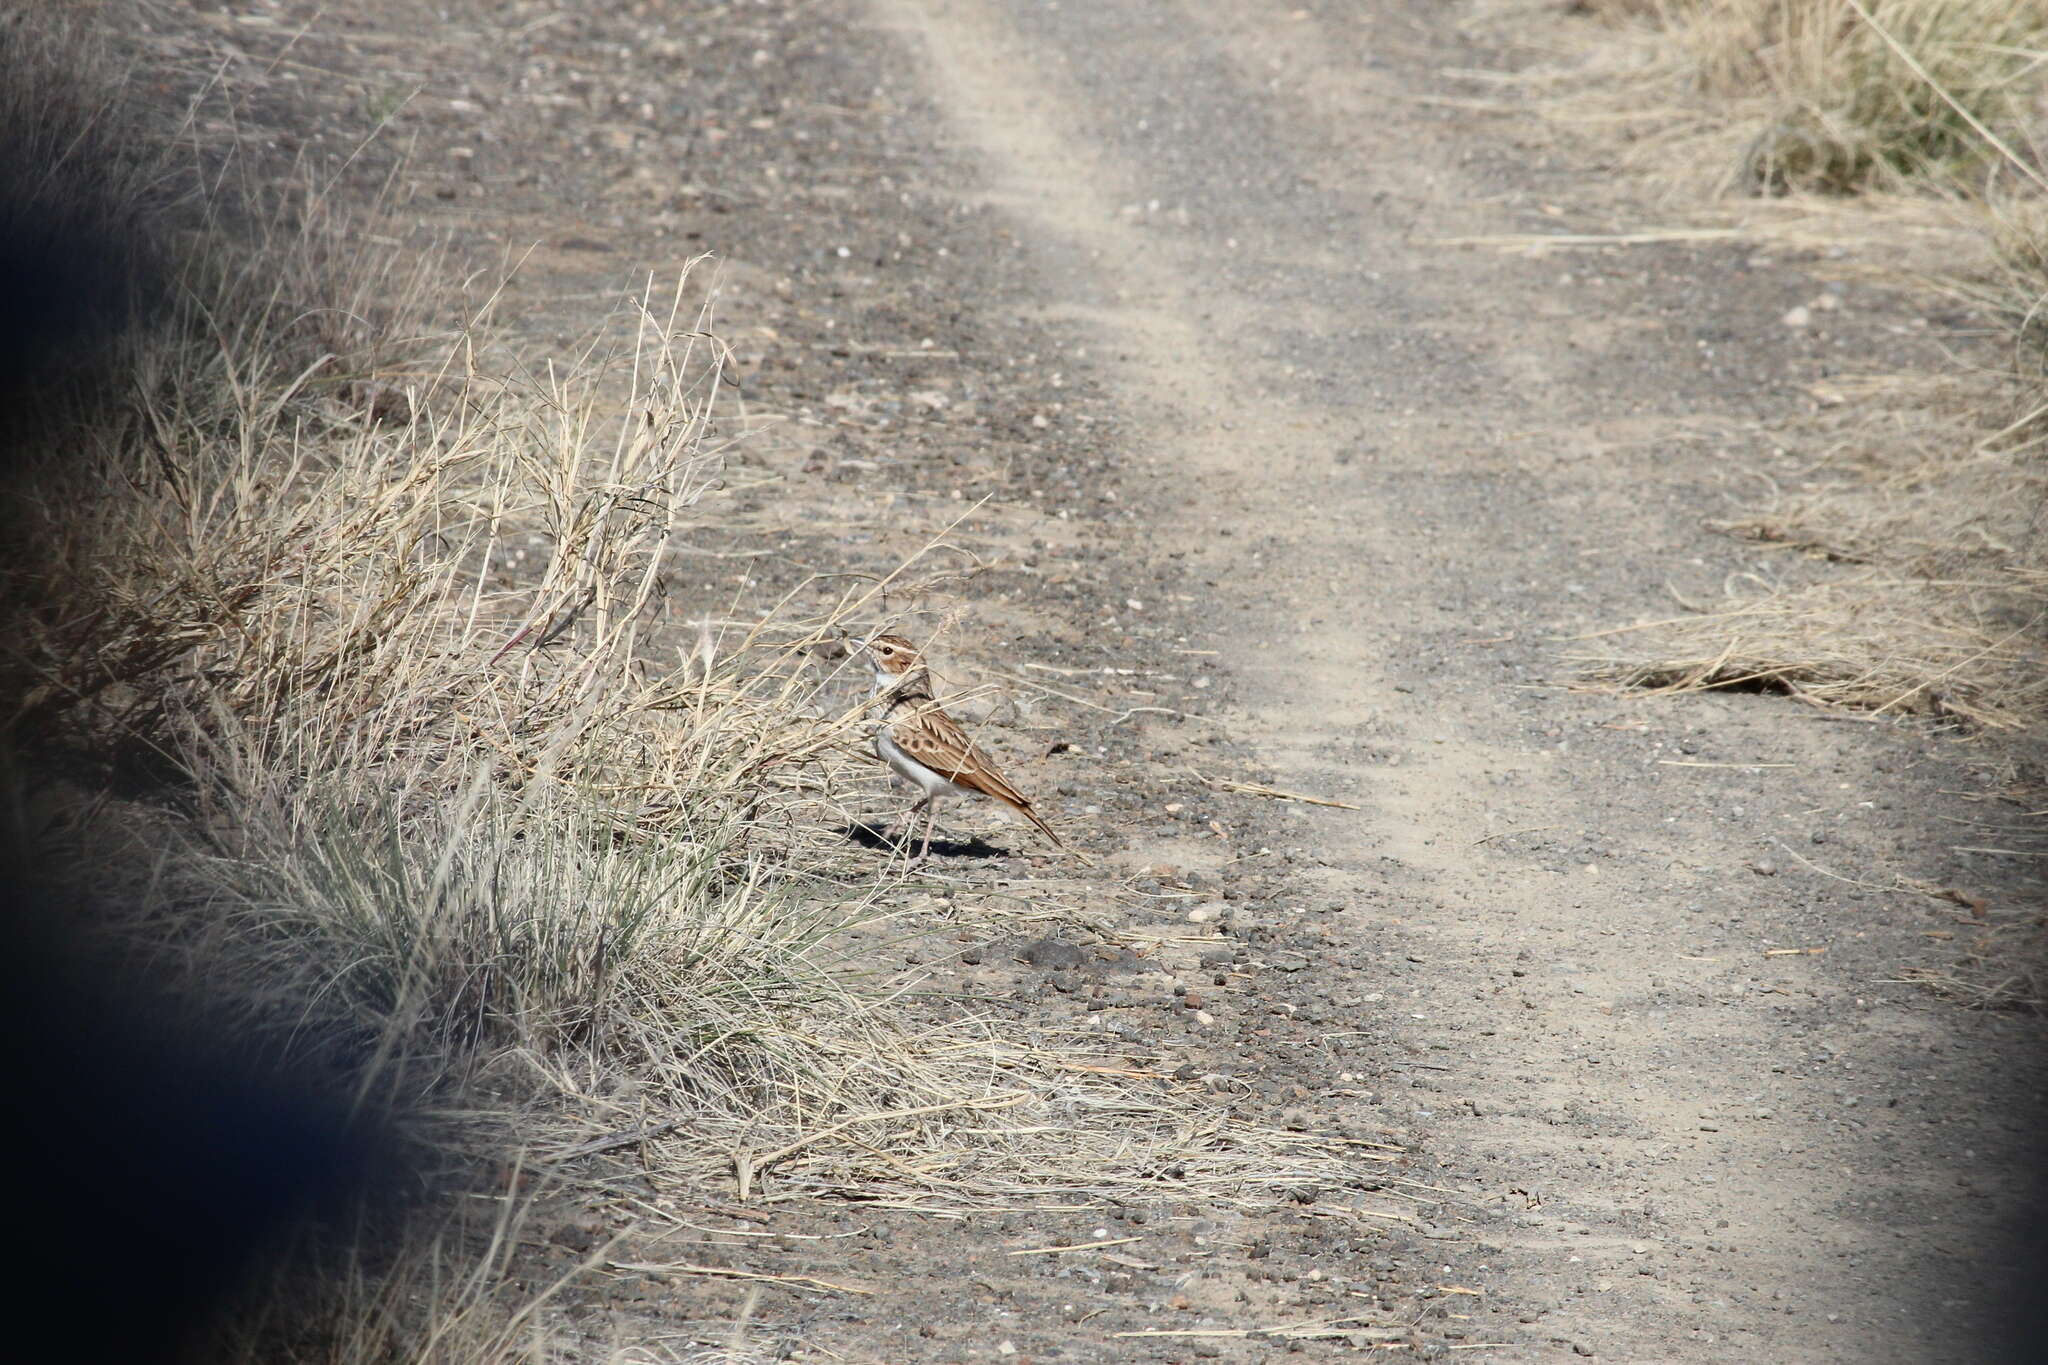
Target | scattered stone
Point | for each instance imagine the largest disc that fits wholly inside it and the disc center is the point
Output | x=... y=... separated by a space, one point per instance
x=580 y=1235
x=1289 y=961
x=1798 y=317
x=1764 y=867
x=1052 y=955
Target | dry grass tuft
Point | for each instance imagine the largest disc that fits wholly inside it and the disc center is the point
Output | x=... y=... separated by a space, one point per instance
x=1996 y=972
x=1911 y=578
x=1771 y=96
x=452 y=822
x=1871 y=644
x=1933 y=510
x=1900 y=565
x=2012 y=287
x=424 y=776
x=1929 y=495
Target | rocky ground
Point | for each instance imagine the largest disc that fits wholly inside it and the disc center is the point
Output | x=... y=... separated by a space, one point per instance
x=1270 y=484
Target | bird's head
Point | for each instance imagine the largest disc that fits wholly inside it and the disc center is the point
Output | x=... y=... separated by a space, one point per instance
x=894 y=660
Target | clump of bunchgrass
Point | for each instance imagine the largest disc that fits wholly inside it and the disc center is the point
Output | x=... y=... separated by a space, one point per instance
x=1815 y=95
x=1903 y=92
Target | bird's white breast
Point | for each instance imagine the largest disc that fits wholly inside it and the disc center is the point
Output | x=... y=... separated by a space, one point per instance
x=933 y=783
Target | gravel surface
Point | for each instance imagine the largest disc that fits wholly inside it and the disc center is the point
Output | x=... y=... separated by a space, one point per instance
x=1295 y=495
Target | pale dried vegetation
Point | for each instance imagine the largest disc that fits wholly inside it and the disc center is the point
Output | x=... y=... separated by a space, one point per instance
x=1812 y=95
x=1902 y=567
x=1908 y=579
x=444 y=798
x=1926 y=494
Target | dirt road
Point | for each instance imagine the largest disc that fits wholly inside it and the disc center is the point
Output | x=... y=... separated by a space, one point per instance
x=1171 y=284
x=1403 y=471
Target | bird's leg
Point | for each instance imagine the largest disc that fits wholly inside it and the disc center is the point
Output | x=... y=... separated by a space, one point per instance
x=910 y=826
x=931 y=817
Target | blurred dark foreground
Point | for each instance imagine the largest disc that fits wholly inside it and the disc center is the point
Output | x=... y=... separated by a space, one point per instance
x=163 y=1169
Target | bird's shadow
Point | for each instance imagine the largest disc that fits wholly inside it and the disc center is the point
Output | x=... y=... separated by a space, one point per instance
x=867 y=836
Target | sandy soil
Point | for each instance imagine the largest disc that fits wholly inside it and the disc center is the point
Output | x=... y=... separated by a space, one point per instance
x=1166 y=283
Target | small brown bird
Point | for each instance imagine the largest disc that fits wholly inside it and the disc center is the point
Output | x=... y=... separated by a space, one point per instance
x=924 y=744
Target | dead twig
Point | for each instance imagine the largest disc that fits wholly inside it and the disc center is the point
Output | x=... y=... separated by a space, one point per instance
x=1511 y=833
x=1694 y=763
x=1077 y=1246
x=746 y=1166
x=1228 y=784
x=1516 y=241
x=729 y=1273
x=1329 y=1327
x=615 y=1141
